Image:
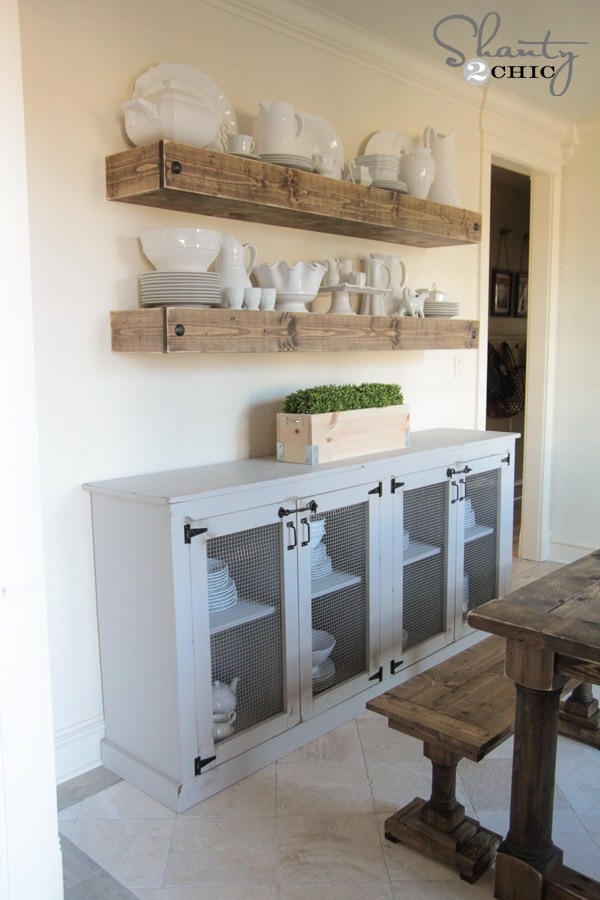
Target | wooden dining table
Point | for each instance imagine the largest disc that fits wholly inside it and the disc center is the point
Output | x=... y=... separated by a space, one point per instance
x=552 y=632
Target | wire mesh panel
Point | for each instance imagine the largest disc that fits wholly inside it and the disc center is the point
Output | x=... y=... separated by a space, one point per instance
x=250 y=649
x=424 y=576
x=339 y=595
x=480 y=582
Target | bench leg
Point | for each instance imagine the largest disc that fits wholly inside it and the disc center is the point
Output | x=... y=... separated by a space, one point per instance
x=439 y=826
x=579 y=717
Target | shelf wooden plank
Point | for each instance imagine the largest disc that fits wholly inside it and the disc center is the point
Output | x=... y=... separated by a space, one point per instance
x=188 y=330
x=169 y=175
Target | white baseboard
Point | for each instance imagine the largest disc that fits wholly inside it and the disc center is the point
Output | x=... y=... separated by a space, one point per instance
x=77 y=748
x=563 y=552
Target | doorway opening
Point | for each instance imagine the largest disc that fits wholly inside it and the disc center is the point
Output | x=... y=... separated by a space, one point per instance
x=510 y=216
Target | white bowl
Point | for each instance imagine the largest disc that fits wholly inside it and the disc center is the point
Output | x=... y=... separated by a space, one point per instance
x=181 y=249
x=295 y=285
x=322 y=646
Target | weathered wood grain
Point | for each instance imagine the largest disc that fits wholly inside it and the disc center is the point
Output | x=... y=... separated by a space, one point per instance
x=176 y=176
x=188 y=329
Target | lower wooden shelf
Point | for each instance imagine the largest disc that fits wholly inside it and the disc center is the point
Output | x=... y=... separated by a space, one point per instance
x=189 y=330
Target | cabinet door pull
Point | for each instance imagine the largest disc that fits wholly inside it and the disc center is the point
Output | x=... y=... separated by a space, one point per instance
x=292 y=528
x=454 y=484
x=464 y=492
x=307 y=541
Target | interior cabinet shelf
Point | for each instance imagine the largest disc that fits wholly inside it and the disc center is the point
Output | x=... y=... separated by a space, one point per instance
x=241 y=613
x=176 y=176
x=187 y=329
x=335 y=581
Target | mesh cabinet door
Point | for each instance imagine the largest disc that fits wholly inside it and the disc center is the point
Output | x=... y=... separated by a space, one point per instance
x=481 y=534
x=339 y=597
x=247 y=601
x=424 y=557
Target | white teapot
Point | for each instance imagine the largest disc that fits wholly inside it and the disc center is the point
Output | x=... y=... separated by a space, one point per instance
x=224 y=699
x=231 y=263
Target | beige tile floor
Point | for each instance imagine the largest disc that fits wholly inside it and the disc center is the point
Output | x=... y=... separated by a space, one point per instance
x=311 y=825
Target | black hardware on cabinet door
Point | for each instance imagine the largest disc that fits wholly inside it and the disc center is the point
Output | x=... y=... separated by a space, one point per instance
x=292 y=528
x=451 y=472
x=378 y=489
x=189 y=533
x=307 y=541
x=394 y=666
x=312 y=507
x=455 y=485
x=462 y=496
x=378 y=676
x=396 y=485
x=506 y=459
x=198 y=763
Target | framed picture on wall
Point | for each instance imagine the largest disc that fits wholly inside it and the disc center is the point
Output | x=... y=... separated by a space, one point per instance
x=521 y=285
x=500 y=292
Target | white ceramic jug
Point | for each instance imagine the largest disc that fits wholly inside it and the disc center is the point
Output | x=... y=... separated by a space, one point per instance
x=397 y=269
x=417 y=169
x=278 y=127
x=231 y=263
x=224 y=699
x=445 y=184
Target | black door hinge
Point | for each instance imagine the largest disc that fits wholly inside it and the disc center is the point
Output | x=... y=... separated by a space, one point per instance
x=378 y=490
x=394 y=666
x=378 y=676
x=198 y=763
x=506 y=459
x=189 y=533
x=396 y=485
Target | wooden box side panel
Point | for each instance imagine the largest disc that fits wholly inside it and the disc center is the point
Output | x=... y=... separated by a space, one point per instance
x=342 y=435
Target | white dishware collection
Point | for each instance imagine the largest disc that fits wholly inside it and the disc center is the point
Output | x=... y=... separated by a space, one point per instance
x=175 y=101
x=202 y=267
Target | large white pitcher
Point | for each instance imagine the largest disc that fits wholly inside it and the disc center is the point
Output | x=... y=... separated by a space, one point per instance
x=445 y=183
x=278 y=127
x=397 y=268
x=231 y=262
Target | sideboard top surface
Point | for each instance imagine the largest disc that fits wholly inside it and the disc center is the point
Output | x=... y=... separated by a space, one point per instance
x=181 y=485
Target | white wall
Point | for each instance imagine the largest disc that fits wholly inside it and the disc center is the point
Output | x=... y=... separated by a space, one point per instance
x=102 y=415
x=30 y=862
x=575 y=499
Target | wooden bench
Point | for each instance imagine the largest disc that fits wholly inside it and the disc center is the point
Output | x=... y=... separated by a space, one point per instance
x=463 y=707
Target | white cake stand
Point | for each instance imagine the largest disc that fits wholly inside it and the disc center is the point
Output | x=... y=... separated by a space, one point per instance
x=340 y=298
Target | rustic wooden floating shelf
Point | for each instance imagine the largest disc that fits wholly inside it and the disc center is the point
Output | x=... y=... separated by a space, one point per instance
x=188 y=330
x=176 y=176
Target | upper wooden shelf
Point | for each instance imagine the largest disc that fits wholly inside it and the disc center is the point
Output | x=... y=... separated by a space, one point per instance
x=185 y=329
x=176 y=176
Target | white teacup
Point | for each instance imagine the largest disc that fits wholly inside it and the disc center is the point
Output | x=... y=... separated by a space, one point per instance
x=233 y=297
x=240 y=143
x=268 y=296
x=358 y=278
x=223 y=725
x=252 y=297
x=359 y=174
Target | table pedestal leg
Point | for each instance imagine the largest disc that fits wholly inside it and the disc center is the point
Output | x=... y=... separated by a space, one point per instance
x=579 y=716
x=527 y=851
x=440 y=827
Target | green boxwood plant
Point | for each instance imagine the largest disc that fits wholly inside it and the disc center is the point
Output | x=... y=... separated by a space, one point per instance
x=338 y=397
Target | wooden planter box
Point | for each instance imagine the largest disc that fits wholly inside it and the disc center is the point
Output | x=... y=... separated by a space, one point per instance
x=339 y=435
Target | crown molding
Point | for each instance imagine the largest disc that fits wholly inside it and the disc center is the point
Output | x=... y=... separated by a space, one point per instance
x=499 y=111
x=588 y=131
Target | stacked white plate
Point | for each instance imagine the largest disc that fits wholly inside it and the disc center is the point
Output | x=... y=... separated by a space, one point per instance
x=442 y=309
x=399 y=186
x=323 y=674
x=222 y=592
x=469 y=516
x=320 y=563
x=180 y=289
x=291 y=160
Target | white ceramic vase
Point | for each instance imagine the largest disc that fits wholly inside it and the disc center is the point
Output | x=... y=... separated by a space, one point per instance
x=417 y=169
x=445 y=184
